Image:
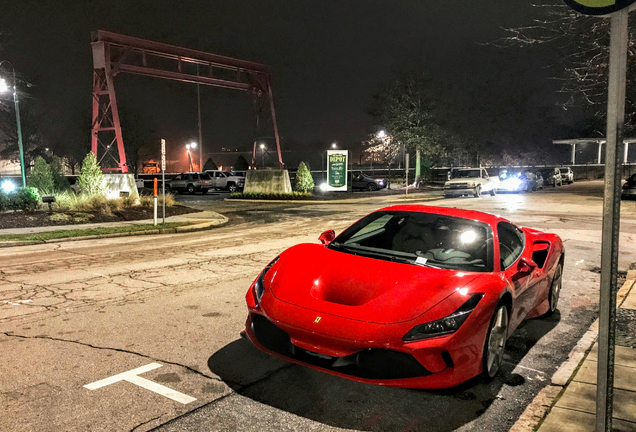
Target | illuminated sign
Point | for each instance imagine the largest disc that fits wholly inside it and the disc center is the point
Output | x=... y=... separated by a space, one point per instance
x=336 y=170
x=598 y=7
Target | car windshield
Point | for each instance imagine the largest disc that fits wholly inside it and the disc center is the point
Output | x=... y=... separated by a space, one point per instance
x=420 y=239
x=465 y=174
x=546 y=172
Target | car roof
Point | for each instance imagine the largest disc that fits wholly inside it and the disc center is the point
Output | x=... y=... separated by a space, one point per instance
x=488 y=218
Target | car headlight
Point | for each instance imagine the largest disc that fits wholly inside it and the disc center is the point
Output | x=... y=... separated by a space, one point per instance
x=447 y=184
x=259 y=285
x=471 y=184
x=446 y=325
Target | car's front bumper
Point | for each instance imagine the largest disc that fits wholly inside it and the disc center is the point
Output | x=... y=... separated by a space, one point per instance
x=368 y=352
x=459 y=191
x=628 y=193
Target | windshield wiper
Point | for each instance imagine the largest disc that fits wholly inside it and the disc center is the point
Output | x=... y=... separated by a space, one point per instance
x=390 y=255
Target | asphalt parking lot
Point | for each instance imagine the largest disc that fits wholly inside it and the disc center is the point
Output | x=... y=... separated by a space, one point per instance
x=142 y=333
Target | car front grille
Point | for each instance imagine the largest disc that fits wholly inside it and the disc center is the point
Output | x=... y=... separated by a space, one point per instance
x=373 y=363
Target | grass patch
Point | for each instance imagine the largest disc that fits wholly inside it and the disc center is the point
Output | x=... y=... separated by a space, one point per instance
x=273 y=196
x=59 y=234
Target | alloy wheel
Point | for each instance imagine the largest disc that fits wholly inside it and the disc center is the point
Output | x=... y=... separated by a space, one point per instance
x=555 y=289
x=496 y=344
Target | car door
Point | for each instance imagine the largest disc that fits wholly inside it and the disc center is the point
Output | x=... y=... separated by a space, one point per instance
x=512 y=249
x=177 y=182
x=358 y=182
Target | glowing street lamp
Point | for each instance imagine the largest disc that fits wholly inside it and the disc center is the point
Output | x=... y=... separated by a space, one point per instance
x=263 y=155
x=4 y=88
x=381 y=134
x=334 y=145
x=188 y=147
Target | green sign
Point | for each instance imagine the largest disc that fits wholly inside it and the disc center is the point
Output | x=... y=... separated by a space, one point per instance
x=337 y=169
x=598 y=7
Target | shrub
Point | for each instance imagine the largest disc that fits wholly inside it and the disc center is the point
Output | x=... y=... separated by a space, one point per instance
x=209 y=165
x=304 y=180
x=273 y=196
x=148 y=201
x=241 y=163
x=91 y=180
x=25 y=199
x=60 y=183
x=41 y=177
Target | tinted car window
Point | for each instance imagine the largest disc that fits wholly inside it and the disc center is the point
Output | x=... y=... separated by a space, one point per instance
x=177 y=177
x=420 y=238
x=204 y=176
x=465 y=174
x=511 y=240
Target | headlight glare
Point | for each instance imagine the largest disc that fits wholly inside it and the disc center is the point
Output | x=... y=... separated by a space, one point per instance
x=446 y=325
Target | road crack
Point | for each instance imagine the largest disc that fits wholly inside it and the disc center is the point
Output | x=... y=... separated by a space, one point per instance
x=145 y=423
x=191 y=369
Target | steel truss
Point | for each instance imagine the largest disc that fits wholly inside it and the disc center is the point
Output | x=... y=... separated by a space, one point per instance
x=114 y=54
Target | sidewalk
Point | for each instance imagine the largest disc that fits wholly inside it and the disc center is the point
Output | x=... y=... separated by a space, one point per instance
x=198 y=221
x=570 y=402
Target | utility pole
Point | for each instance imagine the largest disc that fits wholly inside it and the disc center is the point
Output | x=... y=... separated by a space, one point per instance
x=199 y=123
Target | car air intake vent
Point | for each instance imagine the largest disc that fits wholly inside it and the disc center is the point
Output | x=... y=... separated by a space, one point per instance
x=372 y=363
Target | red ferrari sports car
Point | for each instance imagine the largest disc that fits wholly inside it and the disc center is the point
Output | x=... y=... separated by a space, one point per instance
x=409 y=296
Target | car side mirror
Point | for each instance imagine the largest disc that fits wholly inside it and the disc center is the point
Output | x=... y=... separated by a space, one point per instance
x=327 y=237
x=526 y=265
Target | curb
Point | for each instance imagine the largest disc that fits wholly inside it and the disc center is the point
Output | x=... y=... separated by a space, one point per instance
x=177 y=230
x=542 y=404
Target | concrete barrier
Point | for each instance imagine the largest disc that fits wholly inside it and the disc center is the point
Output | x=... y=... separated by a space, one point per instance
x=117 y=183
x=267 y=181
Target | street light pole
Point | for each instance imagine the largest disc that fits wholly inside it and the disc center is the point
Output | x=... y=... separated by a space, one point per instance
x=263 y=155
x=17 y=120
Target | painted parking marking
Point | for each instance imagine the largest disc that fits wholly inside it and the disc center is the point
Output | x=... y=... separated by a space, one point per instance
x=132 y=377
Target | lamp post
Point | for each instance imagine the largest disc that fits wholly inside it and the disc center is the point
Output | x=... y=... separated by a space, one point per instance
x=263 y=155
x=3 y=88
x=192 y=145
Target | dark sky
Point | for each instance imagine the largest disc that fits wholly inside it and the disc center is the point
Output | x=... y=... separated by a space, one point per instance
x=328 y=58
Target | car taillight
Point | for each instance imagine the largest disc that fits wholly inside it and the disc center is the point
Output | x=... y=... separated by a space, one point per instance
x=626 y=186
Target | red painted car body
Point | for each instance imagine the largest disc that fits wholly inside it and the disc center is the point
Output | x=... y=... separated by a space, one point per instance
x=348 y=315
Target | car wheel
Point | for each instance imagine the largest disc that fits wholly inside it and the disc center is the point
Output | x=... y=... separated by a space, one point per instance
x=495 y=342
x=191 y=189
x=555 y=290
x=372 y=187
x=232 y=188
x=493 y=191
x=477 y=192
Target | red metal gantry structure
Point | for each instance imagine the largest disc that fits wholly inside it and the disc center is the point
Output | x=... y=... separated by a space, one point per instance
x=115 y=53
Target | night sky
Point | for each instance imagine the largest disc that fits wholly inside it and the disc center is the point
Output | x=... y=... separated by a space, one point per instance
x=328 y=58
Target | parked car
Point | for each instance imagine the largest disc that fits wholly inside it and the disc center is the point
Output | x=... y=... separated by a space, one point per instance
x=518 y=181
x=363 y=181
x=408 y=296
x=225 y=180
x=191 y=183
x=551 y=176
x=567 y=175
x=629 y=188
x=470 y=181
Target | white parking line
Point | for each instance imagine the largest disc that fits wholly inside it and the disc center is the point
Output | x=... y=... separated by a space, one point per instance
x=133 y=378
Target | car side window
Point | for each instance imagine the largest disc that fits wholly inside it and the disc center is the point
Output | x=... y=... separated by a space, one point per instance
x=484 y=174
x=177 y=177
x=511 y=242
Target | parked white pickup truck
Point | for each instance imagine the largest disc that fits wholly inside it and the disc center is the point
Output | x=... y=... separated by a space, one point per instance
x=470 y=181
x=226 y=181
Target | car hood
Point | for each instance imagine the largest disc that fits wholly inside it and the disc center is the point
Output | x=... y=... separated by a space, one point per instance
x=315 y=277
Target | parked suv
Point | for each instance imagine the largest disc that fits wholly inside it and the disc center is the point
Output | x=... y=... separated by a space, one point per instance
x=226 y=181
x=551 y=176
x=191 y=183
x=567 y=175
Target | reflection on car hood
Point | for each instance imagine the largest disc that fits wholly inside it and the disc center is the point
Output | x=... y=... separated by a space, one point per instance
x=365 y=289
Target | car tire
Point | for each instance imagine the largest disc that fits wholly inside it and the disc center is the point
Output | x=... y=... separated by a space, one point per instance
x=495 y=344
x=493 y=191
x=232 y=187
x=191 y=189
x=372 y=187
x=555 y=290
x=477 y=192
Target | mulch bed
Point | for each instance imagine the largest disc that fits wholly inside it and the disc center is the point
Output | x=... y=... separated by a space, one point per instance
x=42 y=218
